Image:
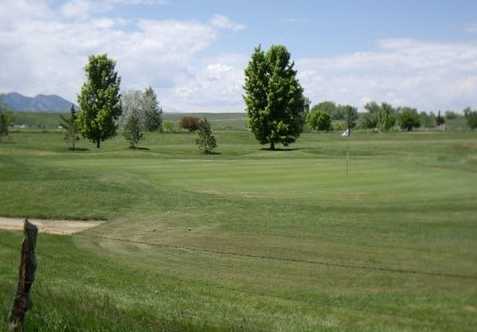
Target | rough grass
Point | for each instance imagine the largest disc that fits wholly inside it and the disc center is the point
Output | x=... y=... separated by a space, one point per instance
x=248 y=240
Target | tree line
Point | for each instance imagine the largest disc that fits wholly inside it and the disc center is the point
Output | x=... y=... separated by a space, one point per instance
x=103 y=110
x=276 y=107
x=381 y=117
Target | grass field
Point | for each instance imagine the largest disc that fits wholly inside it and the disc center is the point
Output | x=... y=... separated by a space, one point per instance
x=48 y=120
x=248 y=239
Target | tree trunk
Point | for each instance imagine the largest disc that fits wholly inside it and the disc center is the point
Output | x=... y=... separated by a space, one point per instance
x=98 y=143
x=272 y=146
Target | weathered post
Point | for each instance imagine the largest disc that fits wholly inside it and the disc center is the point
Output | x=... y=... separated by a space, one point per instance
x=26 y=276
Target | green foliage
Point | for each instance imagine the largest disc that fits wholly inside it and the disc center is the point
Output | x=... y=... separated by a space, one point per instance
x=381 y=117
x=369 y=120
x=451 y=115
x=152 y=111
x=328 y=107
x=206 y=140
x=386 y=117
x=6 y=119
x=168 y=126
x=427 y=120
x=319 y=120
x=408 y=118
x=190 y=123
x=71 y=128
x=99 y=99
x=133 y=131
x=471 y=117
x=274 y=98
x=350 y=116
x=440 y=120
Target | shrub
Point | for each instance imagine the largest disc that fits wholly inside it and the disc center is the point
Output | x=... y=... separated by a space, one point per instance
x=471 y=117
x=319 y=120
x=189 y=123
x=206 y=140
x=133 y=131
x=168 y=126
x=451 y=115
x=409 y=118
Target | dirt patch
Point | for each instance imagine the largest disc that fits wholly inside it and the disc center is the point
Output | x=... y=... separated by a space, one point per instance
x=62 y=227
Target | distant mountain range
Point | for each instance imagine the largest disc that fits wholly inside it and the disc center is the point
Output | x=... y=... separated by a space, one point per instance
x=40 y=103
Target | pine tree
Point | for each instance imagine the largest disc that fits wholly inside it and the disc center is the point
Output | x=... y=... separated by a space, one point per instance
x=152 y=111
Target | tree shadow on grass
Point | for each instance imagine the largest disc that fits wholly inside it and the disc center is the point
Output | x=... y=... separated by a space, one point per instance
x=280 y=149
x=212 y=153
x=78 y=149
x=140 y=148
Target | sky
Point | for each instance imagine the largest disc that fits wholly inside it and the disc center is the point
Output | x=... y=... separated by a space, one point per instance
x=418 y=53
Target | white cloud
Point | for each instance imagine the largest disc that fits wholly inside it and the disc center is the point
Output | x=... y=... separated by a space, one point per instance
x=82 y=9
x=223 y=22
x=45 y=48
x=428 y=75
x=215 y=85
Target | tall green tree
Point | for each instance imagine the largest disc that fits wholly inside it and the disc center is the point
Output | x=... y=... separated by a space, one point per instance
x=379 y=116
x=409 y=118
x=71 y=128
x=386 y=117
x=369 y=120
x=350 y=116
x=471 y=117
x=319 y=120
x=274 y=97
x=152 y=110
x=99 y=99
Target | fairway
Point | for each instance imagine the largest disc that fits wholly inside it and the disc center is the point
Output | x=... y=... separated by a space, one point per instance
x=248 y=239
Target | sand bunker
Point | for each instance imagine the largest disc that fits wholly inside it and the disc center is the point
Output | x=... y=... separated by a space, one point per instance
x=62 y=227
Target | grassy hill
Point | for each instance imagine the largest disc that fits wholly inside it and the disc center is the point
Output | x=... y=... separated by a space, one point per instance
x=248 y=239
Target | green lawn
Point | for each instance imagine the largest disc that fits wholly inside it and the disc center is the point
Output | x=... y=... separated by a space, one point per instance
x=248 y=239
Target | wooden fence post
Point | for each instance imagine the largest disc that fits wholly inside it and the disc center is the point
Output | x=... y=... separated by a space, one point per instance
x=26 y=277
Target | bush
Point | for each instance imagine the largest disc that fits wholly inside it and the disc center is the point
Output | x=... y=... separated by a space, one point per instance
x=189 y=123
x=471 y=117
x=451 y=115
x=319 y=120
x=339 y=125
x=427 y=120
x=367 y=121
x=206 y=140
x=133 y=130
x=409 y=118
x=168 y=126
